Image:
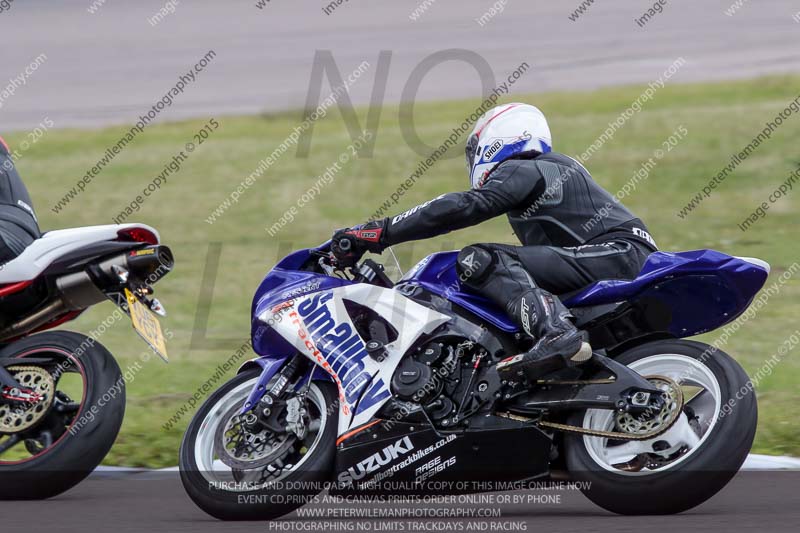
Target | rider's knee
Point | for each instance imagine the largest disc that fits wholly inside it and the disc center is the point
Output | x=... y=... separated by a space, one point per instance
x=474 y=264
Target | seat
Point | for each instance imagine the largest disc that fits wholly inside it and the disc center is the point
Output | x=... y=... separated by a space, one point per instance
x=745 y=273
x=55 y=244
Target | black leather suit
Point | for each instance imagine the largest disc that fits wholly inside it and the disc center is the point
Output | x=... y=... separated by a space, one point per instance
x=18 y=224
x=572 y=231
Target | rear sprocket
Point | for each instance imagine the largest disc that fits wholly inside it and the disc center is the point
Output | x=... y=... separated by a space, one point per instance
x=644 y=427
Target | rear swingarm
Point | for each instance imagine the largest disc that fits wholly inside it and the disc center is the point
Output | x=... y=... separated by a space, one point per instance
x=624 y=390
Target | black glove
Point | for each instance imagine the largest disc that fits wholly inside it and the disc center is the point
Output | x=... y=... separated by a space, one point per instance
x=349 y=244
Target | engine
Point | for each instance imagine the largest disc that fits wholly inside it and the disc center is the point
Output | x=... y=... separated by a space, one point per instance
x=441 y=381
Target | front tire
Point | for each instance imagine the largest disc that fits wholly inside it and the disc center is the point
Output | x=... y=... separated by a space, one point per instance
x=216 y=489
x=690 y=463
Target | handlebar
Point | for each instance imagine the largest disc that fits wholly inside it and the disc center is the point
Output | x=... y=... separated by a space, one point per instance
x=368 y=271
x=345 y=250
x=345 y=244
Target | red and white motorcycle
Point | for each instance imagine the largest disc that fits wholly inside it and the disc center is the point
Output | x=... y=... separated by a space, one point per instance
x=62 y=395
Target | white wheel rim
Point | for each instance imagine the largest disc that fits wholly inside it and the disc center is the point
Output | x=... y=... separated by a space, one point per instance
x=681 y=437
x=214 y=470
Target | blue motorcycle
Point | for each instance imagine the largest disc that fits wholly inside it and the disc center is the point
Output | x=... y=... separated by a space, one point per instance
x=363 y=384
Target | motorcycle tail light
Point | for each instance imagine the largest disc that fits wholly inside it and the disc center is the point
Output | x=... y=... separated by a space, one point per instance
x=137 y=235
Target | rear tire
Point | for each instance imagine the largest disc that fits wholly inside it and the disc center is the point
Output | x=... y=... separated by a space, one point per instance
x=694 y=478
x=73 y=456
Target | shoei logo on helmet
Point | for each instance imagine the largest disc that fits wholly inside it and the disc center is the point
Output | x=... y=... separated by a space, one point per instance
x=492 y=149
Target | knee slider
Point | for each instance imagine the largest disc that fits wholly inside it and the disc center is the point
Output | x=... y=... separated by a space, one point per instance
x=474 y=264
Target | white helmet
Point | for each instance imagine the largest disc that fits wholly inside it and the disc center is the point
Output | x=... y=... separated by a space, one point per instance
x=502 y=132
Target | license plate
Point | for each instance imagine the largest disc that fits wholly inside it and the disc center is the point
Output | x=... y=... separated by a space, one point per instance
x=146 y=325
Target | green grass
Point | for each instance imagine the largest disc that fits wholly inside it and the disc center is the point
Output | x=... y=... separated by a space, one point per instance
x=721 y=118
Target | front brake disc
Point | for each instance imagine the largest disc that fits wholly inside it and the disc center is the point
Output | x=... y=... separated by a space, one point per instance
x=241 y=449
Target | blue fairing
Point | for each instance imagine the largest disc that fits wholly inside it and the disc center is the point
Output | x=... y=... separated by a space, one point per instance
x=437 y=274
x=284 y=282
x=704 y=289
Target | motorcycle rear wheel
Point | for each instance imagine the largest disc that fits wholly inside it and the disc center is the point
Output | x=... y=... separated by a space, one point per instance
x=33 y=469
x=692 y=460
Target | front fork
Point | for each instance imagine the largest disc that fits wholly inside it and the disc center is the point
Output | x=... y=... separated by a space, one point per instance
x=285 y=368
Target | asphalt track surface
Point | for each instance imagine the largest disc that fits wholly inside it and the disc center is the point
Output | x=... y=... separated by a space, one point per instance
x=112 y=66
x=757 y=501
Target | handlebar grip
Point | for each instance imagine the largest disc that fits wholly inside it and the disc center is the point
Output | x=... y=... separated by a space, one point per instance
x=345 y=244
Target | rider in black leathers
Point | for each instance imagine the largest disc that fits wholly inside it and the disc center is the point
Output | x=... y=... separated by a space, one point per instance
x=554 y=207
x=18 y=224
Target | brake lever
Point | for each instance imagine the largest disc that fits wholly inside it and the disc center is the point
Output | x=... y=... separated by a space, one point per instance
x=371 y=272
x=329 y=270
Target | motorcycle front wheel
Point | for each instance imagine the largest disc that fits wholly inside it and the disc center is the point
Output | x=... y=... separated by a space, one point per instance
x=263 y=474
x=689 y=463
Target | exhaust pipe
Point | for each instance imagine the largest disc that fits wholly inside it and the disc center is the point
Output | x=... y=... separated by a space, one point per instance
x=149 y=264
x=44 y=315
x=78 y=290
x=75 y=291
